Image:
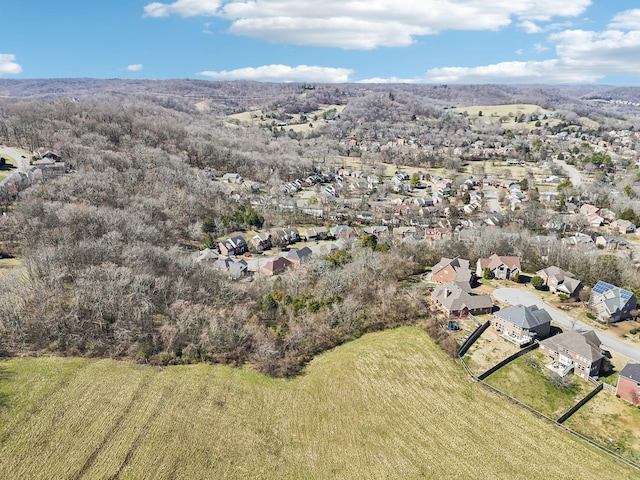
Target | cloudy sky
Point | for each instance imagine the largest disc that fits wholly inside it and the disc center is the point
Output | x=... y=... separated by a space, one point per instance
x=421 y=41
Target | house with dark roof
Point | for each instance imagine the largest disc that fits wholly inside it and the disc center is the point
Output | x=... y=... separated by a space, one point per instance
x=457 y=300
x=285 y=236
x=610 y=303
x=452 y=270
x=500 y=267
x=575 y=351
x=628 y=386
x=522 y=325
x=299 y=255
x=261 y=241
x=233 y=246
x=559 y=281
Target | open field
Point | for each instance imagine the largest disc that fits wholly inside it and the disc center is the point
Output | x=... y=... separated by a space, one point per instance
x=389 y=405
x=257 y=118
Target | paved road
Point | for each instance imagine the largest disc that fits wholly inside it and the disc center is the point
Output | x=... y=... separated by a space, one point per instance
x=516 y=296
x=23 y=163
x=574 y=175
x=491 y=195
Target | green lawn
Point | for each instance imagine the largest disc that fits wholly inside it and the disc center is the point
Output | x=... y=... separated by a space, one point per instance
x=388 y=405
x=533 y=387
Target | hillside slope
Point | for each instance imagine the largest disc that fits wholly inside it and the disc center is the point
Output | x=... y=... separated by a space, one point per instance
x=388 y=405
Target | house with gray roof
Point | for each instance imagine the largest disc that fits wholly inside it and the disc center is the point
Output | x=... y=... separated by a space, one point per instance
x=610 y=303
x=559 y=281
x=575 y=351
x=522 y=325
x=628 y=386
x=299 y=255
x=457 y=300
x=452 y=270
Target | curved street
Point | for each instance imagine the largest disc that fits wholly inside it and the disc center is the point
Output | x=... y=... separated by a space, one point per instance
x=515 y=296
x=22 y=162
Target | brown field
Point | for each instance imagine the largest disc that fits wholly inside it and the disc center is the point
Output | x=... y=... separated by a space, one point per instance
x=389 y=405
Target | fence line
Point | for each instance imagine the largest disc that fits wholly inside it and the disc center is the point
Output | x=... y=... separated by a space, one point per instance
x=472 y=338
x=550 y=420
x=578 y=405
x=507 y=360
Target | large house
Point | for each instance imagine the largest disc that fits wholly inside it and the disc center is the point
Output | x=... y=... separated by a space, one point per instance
x=452 y=270
x=261 y=241
x=559 y=281
x=610 y=303
x=233 y=246
x=575 y=351
x=456 y=300
x=502 y=268
x=628 y=386
x=522 y=325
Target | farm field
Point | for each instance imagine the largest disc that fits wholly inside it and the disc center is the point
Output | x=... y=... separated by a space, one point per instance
x=388 y=405
x=253 y=118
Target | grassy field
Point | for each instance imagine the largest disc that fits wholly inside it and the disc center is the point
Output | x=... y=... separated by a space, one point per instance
x=255 y=118
x=389 y=405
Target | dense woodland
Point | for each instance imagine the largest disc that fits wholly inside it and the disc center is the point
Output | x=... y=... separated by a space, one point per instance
x=109 y=249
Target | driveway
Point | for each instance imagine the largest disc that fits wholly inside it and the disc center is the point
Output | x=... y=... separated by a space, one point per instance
x=23 y=163
x=491 y=195
x=574 y=175
x=515 y=296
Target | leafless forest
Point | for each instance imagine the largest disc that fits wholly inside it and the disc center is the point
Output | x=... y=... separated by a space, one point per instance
x=109 y=249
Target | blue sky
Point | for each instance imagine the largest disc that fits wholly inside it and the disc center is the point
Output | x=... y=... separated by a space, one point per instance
x=419 y=41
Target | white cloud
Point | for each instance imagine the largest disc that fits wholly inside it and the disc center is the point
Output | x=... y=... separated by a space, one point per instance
x=134 y=68
x=530 y=27
x=519 y=51
x=391 y=80
x=355 y=24
x=284 y=73
x=539 y=47
x=582 y=57
x=183 y=8
x=8 y=64
x=627 y=20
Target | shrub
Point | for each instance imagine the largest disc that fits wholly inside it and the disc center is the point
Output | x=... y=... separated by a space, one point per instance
x=537 y=282
x=562 y=297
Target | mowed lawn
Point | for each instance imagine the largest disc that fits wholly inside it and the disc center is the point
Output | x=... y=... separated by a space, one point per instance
x=389 y=405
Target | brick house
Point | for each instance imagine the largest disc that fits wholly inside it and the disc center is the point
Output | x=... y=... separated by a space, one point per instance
x=522 y=325
x=575 y=351
x=628 y=386
x=233 y=246
x=452 y=270
x=261 y=241
x=502 y=268
x=456 y=300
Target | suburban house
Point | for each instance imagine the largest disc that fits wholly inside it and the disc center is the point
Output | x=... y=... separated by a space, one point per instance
x=502 y=268
x=232 y=178
x=401 y=232
x=559 y=281
x=628 y=386
x=522 y=325
x=622 y=226
x=610 y=303
x=342 y=231
x=286 y=236
x=452 y=270
x=575 y=351
x=276 y=266
x=238 y=269
x=435 y=234
x=261 y=241
x=233 y=246
x=207 y=255
x=456 y=300
x=299 y=255
x=380 y=231
x=609 y=242
x=315 y=233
